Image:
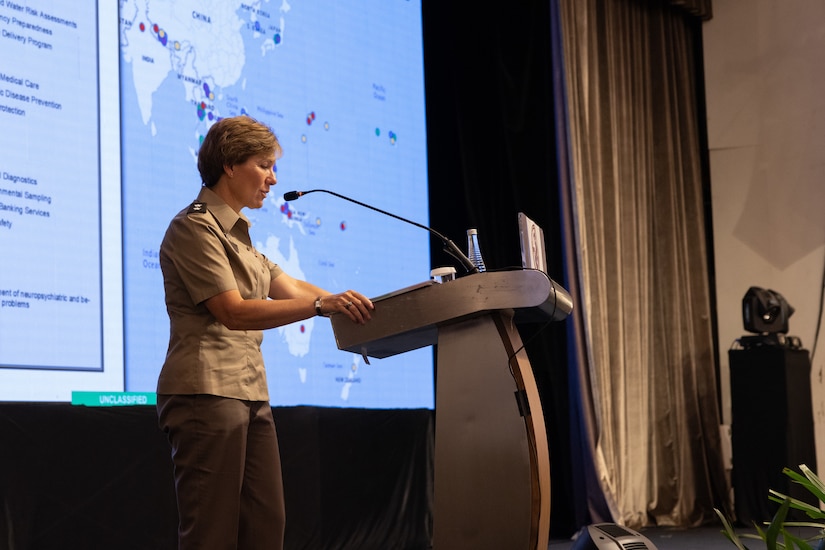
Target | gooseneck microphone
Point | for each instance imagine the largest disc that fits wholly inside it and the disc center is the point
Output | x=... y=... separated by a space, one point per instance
x=449 y=246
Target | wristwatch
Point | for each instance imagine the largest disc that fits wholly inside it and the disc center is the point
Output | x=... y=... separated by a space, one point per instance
x=318 y=307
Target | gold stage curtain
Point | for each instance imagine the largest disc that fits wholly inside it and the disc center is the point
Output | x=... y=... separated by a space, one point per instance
x=648 y=361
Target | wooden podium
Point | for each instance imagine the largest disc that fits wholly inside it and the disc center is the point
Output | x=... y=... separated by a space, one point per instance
x=492 y=463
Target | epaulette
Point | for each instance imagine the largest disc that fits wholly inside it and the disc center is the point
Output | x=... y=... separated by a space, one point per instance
x=197 y=208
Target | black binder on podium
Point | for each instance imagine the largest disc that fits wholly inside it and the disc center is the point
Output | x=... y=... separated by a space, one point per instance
x=492 y=464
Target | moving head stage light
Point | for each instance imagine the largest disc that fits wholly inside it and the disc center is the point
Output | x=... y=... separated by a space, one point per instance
x=765 y=311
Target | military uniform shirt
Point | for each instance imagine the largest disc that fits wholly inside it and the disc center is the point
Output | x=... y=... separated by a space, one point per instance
x=206 y=251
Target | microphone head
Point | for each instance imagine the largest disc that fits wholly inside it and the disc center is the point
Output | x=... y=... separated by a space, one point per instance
x=292 y=195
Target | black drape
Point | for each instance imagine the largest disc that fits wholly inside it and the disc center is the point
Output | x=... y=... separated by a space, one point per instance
x=94 y=478
x=492 y=154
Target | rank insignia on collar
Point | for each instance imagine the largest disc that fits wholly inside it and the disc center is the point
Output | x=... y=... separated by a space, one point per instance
x=197 y=208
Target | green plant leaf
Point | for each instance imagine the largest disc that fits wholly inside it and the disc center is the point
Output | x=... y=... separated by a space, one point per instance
x=811 y=511
x=814 y=524
x=775 y=527
x=818 y=486
x=729 y=532
x=810 y=481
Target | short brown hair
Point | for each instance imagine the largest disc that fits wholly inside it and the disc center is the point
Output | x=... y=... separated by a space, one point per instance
x=232 y=141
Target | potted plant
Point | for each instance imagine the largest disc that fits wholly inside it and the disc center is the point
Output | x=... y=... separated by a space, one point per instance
x=776 y=534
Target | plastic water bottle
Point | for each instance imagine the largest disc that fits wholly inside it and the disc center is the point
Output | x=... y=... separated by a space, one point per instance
x=473 y=250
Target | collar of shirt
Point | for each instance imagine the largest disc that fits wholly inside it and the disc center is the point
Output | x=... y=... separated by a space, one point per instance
x=222 y=211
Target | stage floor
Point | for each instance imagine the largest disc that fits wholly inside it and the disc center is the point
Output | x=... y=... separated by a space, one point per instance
x=700 y=538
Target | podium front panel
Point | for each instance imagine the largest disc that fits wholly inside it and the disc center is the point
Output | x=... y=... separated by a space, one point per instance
x=482 y=463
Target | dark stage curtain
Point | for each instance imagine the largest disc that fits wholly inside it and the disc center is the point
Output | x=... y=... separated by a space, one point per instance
x=492 y=154
x=76 y=477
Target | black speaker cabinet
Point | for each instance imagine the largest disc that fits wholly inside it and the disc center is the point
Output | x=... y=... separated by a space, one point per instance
x=772 y=428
